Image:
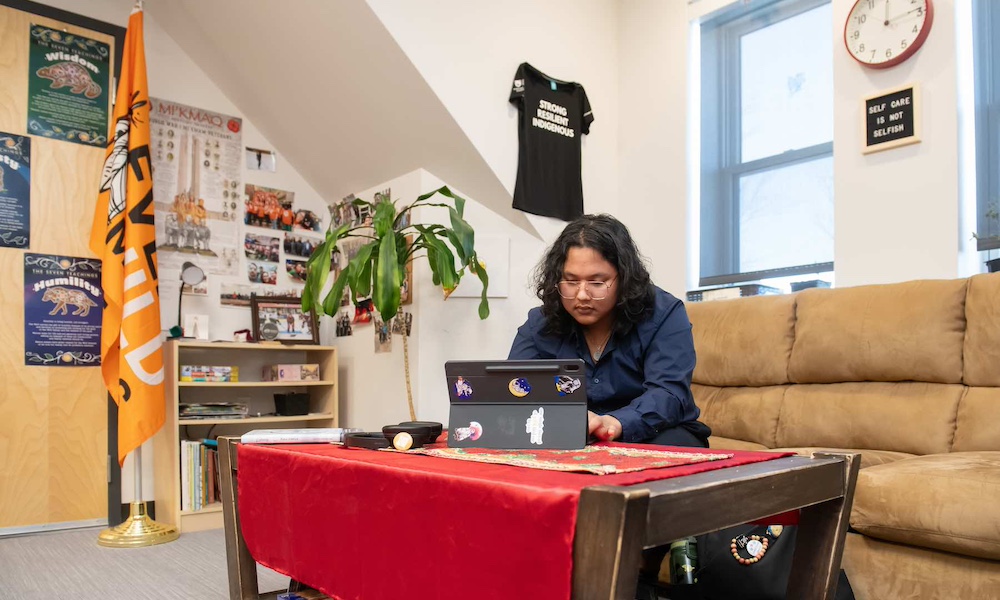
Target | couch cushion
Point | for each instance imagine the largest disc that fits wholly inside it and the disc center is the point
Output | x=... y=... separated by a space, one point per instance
x=978 y=426
x=917 y=418
x=982 y=336
x=720 y=443
x=741 y=413
x=881 y=570
x=943 y=501
x=910 y=331
x=869 y=458
x=743 y=342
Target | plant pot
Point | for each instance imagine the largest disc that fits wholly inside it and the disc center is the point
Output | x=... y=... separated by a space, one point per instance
x=993 y=266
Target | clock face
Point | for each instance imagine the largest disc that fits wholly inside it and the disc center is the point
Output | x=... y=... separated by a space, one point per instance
x=884 y=33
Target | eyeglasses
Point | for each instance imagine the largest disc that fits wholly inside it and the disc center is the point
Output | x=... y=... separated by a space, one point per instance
x=596 y=290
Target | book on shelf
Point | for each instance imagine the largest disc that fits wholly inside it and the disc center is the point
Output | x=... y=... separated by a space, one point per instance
x=199 y=469
x=312 y=435
x=213 y=410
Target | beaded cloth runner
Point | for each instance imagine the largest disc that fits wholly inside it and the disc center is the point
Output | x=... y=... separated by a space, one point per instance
x=596 y=459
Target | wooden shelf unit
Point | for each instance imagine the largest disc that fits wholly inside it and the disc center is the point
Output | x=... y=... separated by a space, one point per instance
x=250 y=358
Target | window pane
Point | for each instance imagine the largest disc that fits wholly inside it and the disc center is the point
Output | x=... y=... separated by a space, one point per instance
x=786 y=216
x=786 y=83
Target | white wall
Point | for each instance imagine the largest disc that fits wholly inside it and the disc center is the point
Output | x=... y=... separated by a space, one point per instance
x=653 y=139
x=468 y=53
x=173 y=75
x=897 y=212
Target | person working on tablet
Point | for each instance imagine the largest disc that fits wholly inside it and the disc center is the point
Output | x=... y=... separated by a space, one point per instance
x=598 y=304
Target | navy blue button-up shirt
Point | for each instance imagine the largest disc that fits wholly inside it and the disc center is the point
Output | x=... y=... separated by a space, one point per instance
x=643 y=378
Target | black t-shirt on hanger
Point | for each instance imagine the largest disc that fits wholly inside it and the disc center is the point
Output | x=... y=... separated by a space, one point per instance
x=553 y=114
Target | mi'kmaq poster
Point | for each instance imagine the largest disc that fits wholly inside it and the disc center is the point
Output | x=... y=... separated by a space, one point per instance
x=197 y=157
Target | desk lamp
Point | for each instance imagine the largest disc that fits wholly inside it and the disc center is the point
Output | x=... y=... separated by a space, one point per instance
x=191 y=275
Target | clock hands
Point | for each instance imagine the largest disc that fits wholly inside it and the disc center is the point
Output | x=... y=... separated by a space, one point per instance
x=919 y=9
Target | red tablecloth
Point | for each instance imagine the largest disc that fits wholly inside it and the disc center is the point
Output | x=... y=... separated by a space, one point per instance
x=366 y=525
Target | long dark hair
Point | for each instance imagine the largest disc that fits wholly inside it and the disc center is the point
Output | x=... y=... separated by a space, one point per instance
x=611 y=239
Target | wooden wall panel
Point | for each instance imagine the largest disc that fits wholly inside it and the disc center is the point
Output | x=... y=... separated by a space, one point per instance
x=53 y=420
x=13 y=70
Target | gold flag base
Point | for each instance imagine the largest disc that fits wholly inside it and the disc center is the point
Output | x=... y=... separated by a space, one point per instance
x=137 y=531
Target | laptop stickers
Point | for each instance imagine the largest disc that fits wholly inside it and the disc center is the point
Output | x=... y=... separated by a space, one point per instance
x=512 y=404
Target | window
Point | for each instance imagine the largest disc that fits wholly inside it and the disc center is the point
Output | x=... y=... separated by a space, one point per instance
x=986 y=60
x=767 y=142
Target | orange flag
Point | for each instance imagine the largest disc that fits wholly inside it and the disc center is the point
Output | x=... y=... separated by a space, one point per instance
x=123 y=236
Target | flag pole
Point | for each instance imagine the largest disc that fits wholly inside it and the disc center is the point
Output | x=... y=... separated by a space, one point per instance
x=131 y=344
x=138 y=530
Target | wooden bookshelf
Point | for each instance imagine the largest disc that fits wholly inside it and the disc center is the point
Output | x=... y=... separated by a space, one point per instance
x=250 y=358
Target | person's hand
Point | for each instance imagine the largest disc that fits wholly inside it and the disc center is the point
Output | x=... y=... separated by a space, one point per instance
x=603 y=427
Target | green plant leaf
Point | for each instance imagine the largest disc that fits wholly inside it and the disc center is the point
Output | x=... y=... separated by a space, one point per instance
x=361 y=272
x=385 y=214
x=317 y=272
x=457 y=243
x=480 y=269
x=459 y=201
x=378 y=269
x=331 y=304
x=441 y=260
x=385 y=296
x=443 y=263
x=465 y=234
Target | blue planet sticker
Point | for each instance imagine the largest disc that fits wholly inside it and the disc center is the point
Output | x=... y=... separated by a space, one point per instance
x=519 y=388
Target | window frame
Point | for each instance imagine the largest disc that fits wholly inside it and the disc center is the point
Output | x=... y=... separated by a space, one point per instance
x=721 y=146
x=986 y=65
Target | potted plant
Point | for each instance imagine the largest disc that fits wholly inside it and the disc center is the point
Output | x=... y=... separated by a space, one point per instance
x=378 y=269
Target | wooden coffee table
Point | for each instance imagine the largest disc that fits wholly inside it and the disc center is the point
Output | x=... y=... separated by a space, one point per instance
x=615 y=523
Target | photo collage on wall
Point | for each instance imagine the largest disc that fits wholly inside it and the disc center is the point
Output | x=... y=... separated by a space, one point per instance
x=348 y=212
x=205 y=211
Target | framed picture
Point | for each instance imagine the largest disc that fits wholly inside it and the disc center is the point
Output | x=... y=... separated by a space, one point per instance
x=281 y=319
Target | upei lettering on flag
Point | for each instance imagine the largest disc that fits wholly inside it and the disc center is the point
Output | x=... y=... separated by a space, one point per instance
x=123 y=236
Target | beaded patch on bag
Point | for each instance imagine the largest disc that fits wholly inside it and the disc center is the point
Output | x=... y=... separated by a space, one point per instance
x=749 y=548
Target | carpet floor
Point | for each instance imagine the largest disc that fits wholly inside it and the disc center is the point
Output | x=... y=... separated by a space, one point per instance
x=70 y=564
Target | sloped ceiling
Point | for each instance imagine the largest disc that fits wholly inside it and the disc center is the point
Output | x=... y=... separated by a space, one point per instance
x=327 y=84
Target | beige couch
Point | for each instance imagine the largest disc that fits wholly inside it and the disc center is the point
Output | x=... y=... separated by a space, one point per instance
x=908 y=375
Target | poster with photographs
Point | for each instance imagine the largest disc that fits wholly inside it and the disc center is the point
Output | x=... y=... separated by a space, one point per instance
x=69 y=87
x=344 y=327
x=300 y=246
x=62 y=311
x=262 y=272
x=344 y=211
x=237 y=295
x=197 y=157
x=296 y=270
x=383 y=337
x=15 y=190
x=402 y=323
x=268 y=208
x=307 y=220
x=261 y=247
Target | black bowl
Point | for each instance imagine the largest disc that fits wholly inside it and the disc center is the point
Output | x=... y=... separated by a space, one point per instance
x=421 y=434
x=436 y=428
